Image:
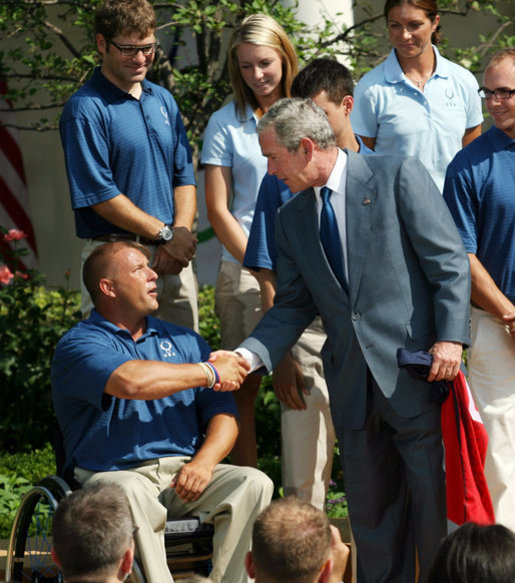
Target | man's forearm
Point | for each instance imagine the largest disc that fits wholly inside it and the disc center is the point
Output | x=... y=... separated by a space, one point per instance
x=185 y=205
x=123 y=213
x=149 y=379
x=485 y=293
x=221 y=435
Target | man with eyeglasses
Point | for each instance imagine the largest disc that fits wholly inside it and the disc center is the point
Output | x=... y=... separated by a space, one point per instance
x=128 y=159
x=480 y=192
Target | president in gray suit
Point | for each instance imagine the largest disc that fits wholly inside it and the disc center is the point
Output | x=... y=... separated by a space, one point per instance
x=400 y=279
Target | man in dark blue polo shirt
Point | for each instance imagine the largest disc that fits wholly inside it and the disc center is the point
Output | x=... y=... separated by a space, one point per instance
x=480 y=191
x=134 y=400
x=128 y=159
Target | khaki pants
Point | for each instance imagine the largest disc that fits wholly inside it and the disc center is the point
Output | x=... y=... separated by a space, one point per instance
x=231 y=502
x=492 y=382
x=308 y=436
x=177 y=294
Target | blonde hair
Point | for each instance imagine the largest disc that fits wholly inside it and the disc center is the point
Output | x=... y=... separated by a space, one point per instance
x=260 y=29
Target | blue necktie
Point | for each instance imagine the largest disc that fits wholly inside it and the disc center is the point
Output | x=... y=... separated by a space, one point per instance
x=330 y=237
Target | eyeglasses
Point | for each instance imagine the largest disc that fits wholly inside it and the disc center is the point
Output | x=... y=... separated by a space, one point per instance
x=500 y=94
x=133 y=50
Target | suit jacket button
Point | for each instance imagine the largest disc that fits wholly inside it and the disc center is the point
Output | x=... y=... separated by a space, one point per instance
x=356 y=315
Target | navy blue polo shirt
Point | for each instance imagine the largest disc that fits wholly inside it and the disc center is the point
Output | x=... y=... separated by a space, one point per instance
x=114 y=143
x=480 y=192
x=104 y=433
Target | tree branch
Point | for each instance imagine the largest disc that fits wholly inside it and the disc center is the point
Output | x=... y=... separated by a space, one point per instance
x=64 y=39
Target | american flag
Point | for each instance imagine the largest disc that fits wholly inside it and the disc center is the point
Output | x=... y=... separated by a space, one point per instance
x=14 y=196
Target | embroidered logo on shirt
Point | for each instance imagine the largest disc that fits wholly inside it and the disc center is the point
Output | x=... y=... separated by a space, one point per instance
x=165 y=115
x=449 y=93
x=166 y=347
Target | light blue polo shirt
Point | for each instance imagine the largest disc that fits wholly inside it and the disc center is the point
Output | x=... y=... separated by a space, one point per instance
x=103 y=433
x=232 y=141
x=404 y=120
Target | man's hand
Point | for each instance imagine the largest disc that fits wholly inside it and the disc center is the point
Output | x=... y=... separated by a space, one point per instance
x=509 y=320
x=164 y=263
x=191 y=480
x=446 y=361
x=288 y=383
x=339 y=555
x=182 y=246
x=231 y=367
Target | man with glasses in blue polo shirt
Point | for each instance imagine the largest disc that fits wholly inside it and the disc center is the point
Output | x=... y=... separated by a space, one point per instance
x=480 y=191
x=128 y=159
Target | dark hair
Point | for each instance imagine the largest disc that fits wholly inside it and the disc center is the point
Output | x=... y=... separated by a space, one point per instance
x=428 y=6
x=475 y=554
x=91 y=530
x=115 y=17
x=98 y=264
x=323 y=75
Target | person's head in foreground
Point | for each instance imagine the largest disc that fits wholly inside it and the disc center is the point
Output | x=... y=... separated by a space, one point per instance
x=292 y=541
x=476 y=554
x=93 y=535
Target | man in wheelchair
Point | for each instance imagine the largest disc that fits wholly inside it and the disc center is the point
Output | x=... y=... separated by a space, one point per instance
x=140 y=405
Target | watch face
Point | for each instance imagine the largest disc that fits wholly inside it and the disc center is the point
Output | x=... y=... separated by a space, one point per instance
x=166 y=233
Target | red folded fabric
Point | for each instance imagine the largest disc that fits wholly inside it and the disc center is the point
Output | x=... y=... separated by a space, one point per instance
x=465 y=442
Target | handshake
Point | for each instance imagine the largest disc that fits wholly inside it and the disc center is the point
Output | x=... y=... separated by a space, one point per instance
x=231 y=370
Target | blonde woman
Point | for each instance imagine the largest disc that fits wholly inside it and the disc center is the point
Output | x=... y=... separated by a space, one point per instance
x=262 y=64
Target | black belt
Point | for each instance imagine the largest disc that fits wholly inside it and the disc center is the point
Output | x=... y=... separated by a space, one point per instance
x=112 y=237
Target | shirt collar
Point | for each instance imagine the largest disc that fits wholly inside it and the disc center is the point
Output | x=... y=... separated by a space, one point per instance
x=338 y=176
x=499 y=139
x=109 y=91
x=394 y=74
x=99 y=320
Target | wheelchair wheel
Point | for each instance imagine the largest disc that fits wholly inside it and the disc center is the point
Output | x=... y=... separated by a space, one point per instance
x=28 y=555
x=137 y=574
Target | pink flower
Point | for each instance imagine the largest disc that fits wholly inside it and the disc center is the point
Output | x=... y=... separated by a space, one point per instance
x=5 y=274
x=14 y=235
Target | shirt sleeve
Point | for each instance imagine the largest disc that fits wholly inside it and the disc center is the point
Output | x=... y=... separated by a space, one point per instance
x=86 y=147
x=458 y=194
x=474 y=106
x=217 y=148
x=364 y=114
x=184 y=173
x=261 y=252
x=82 y=366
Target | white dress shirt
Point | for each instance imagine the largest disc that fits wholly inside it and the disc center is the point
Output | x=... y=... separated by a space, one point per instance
x=336 y=182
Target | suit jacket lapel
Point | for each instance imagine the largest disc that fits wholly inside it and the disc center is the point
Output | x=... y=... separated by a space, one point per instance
x=360 y=200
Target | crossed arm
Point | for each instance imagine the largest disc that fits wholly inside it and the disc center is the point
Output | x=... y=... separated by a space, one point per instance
x=177 y=253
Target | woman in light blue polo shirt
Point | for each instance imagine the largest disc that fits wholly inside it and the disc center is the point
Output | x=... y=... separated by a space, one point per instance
x=262 y=64
x=417 y=103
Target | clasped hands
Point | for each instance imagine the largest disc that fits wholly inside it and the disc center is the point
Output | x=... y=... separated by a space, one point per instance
x=173 y=256
x=232 y=369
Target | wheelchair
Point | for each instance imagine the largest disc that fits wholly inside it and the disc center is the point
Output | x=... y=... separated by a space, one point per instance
x=188 y=542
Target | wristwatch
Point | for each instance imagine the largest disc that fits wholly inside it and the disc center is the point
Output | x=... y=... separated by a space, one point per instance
x=165 y=234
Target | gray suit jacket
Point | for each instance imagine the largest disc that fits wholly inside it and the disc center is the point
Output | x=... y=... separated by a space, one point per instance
x=409 y=285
